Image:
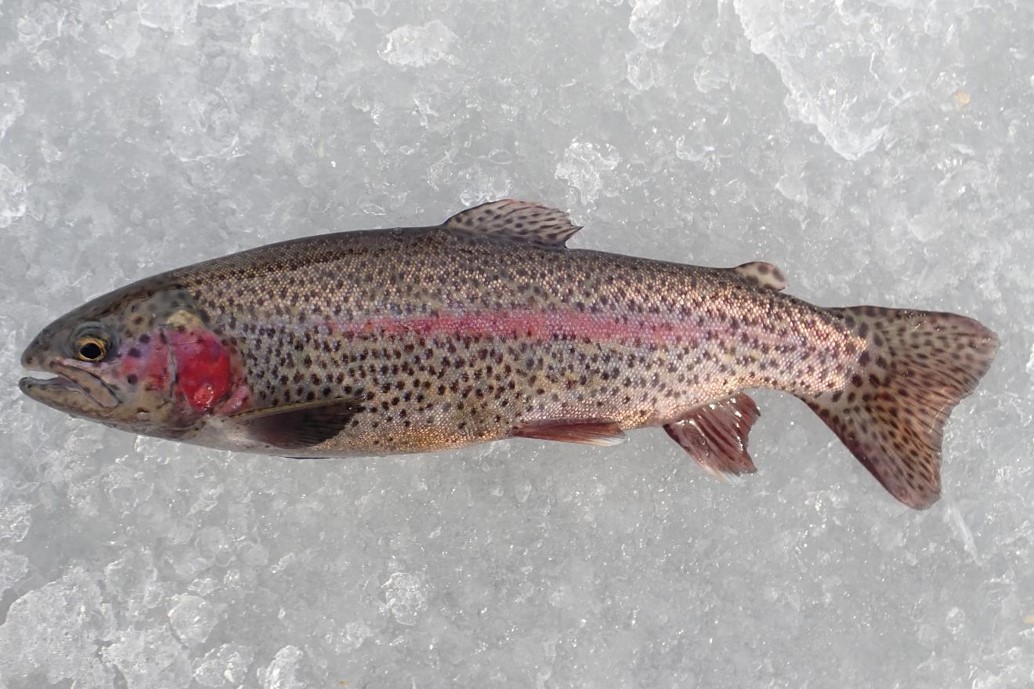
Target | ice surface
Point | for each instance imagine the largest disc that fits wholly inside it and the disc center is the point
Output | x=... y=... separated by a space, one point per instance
x=418 y=46
x=879 y=152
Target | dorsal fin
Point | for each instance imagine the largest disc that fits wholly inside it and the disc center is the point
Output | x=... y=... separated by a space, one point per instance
x=512 y=219
x=761 y=273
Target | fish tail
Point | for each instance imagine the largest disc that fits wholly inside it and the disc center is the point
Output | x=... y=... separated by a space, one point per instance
x=917 y=366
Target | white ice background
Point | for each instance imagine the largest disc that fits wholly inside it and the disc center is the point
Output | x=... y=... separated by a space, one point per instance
x=879 y=151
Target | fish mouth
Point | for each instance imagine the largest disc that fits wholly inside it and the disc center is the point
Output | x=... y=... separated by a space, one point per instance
x=71 y=388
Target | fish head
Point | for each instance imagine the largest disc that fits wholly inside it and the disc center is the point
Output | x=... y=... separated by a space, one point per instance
x=140 y=359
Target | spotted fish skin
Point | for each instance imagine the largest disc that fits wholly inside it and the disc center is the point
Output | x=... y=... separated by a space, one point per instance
x=488 y=327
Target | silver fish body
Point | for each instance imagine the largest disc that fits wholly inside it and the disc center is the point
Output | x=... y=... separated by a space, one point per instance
x=488 y=327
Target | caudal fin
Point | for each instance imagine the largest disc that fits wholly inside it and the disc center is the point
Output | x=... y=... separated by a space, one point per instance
x=918 y=365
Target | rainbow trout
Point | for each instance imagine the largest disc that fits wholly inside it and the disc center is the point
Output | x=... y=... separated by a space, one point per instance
x=488 y=327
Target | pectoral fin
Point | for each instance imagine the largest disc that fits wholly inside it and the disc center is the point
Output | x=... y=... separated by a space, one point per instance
x=298 y=426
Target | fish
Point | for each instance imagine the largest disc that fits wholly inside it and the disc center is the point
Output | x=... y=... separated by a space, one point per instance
x=488 y=327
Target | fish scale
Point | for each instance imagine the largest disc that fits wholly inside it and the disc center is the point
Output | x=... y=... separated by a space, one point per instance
x=487 y=327
x=341 y=345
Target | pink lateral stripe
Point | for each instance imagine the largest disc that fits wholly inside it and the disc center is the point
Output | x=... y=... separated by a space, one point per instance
x=537 y=325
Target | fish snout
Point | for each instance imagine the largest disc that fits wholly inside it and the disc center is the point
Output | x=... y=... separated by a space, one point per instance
x=71 y=386
x=31 y=358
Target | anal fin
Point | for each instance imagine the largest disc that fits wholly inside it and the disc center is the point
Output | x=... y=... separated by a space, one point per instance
x=299 y=426
x=598 y=433
x=715 y=435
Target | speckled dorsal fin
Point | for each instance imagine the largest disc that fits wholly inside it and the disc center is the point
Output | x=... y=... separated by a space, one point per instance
x=715 y=435
x=298 y=426
x=519 y=220
x=598 y=433
x=762 y=273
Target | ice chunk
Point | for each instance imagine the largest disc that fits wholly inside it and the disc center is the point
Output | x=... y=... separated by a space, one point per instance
x=644 y=69
x=149 y=658
x=654 y=21
x=852 y=94
x=405 y=597
x=167 y=15
x=59 y=630
x=43 y=23
x=119 y=36
x=133 y=576
x=13 y=567
x=192 y=618
x=12 y=196
x=288 y=670
x=224 y=666
x=483 y=183
x=332 y=16
x=418 y=46
x=12 y=106
x=350 y=638
x=584 y=166
x=204 y=125
x=15 y=521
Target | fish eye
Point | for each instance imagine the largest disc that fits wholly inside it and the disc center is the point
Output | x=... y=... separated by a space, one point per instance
x=91 y=348
x=91 y=343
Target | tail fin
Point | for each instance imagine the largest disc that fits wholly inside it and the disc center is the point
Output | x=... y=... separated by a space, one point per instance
x=918 y=365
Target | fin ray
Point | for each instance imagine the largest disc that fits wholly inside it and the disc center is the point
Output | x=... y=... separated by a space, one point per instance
x=516 y=220
x=598 y=433
x=299 y=426
x=715 y=435
x=917 y=366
